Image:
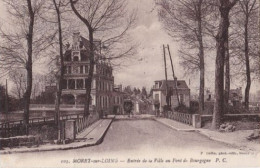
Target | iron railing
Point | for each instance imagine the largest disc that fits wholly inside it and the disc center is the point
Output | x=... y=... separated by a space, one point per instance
x=16 y=128
x=181 y=117
x=84 y=122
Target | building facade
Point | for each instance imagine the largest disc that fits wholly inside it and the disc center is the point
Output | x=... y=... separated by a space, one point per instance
x=76 y=61
x=118 y=100
x=159 y=93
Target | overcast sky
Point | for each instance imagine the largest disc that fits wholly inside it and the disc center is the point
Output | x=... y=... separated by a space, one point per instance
x=149 y=66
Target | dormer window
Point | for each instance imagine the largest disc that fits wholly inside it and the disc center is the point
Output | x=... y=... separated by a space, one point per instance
x=80 y=44
x=157 y=85
x=75 y=58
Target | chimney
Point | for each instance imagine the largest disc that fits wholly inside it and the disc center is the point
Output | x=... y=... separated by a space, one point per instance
x=76 y=37
x=120 y=88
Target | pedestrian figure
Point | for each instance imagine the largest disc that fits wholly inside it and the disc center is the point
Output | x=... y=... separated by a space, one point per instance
x=157 y=108
x=128 y=107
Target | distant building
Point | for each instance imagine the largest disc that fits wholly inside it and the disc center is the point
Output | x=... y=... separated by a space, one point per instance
x=235 y=96
x=159 y=92
x=254 y=98
x=258 y=96
x=118 y=100
x=76 y=60
x=209 y=95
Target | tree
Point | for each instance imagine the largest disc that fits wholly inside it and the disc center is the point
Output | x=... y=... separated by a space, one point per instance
x=184 y=20
x=39 y=83
x=19 y=80
x=128 y=90
x=61 y=63
x=7 y=101
x=24 y=43
x=135 y=90
x=106 y=17
x=151 y=93
x=227 y=73
x=2 y=98
x=144 y=92
x=222 y=37
x=248 y=8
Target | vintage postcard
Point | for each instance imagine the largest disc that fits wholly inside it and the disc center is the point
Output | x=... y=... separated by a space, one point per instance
x=129 y=83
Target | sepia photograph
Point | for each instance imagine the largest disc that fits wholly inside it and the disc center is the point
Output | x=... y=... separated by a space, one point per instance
x=129 y=83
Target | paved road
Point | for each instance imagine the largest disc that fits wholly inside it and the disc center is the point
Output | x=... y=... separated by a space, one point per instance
x=135 y=139
x=138 y=135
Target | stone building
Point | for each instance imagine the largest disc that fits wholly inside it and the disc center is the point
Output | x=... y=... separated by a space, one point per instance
x=76 y=60
x=235 y=96
x=159 y=93
x=118 y=100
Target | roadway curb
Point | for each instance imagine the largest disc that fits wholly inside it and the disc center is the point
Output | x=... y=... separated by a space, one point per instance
x=64 y=147
x=232 y=144
x=100 y=140
x=177 y=129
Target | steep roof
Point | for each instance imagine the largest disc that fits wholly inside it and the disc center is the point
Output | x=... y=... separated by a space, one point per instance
x=181 y=84
x=84 y=53
x=67 y=55
x=85 y=42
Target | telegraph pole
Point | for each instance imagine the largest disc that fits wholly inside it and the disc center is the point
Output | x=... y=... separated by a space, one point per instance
x=165 y=76
x=173 y=74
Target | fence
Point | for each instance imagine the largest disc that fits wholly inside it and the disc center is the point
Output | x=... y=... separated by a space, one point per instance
x=52 y=106
x=181 y=117
x=232 y=117
x=16 y=128
x=84 y=122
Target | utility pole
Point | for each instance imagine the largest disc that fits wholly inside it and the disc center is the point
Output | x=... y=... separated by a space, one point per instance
x=167 y=101
x=6 y=100
x=173 y=74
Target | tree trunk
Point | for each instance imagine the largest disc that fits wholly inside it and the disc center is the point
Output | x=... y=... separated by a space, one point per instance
x=90 y=75
x=92 y=58
x=202 y=64
x=221 y=40
x=202 y=86
x=248 y=76
x=6 y=99
x=227 y=76
x=61 y=77
x=27 y=94
x=201 y=59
